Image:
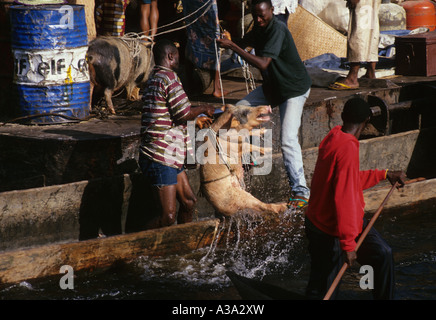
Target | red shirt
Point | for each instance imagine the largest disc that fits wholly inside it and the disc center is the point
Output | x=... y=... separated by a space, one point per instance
x=336 y=204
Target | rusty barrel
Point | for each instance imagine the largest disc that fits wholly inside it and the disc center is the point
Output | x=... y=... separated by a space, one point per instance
x=49 y=45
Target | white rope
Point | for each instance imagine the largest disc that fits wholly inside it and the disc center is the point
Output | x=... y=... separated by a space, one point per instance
x=248 y=75
x=218 y=69
x=133 y=43
x=221 y=154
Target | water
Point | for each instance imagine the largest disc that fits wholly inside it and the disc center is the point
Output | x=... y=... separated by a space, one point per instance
x=277 y=255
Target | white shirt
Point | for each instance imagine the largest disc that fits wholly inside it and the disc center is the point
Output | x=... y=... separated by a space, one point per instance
x=280 y=6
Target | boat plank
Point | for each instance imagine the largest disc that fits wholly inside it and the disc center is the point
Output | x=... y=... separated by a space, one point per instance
x=409 y=199
x=43 y=261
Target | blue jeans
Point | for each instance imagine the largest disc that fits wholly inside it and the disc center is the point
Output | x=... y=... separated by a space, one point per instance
x=290 y=119
x=159 y=174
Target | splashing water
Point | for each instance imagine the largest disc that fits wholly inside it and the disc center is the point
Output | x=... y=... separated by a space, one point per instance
x=270 y=248
x=245 y=244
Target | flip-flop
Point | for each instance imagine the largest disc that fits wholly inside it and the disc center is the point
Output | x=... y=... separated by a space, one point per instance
x=341 y=86
x=298 y=203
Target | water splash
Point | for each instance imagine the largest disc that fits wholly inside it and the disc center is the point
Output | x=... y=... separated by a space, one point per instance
x=246 y=244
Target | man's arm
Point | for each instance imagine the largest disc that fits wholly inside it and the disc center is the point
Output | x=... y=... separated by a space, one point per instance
x=180 y=107
x=370 y=178
x=261 y=63
x=194 y=112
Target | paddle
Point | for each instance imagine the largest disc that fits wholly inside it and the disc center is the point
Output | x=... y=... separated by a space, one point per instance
x=359 y=242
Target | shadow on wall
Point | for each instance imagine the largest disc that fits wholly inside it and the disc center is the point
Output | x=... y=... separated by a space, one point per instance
x=424 y=156
x=116 y=205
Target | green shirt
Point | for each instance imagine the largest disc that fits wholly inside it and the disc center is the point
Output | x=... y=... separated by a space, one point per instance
x=286 y=76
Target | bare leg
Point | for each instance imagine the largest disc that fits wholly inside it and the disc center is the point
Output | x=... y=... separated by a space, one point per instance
x=168 y=196
x=168 y=203
x=370 y=70
x=154 y=18
x=145 y=16
x=186 y=198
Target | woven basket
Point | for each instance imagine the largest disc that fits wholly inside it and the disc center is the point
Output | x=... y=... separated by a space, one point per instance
x=314 y=37
x=89 y=13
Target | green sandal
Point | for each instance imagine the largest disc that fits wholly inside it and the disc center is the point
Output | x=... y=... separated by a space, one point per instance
x=298 y=203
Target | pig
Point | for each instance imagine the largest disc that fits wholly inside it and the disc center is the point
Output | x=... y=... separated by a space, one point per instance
x=115 y=63
x=222 y=183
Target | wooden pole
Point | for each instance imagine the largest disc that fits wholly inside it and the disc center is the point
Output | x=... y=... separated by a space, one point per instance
x=359 y=242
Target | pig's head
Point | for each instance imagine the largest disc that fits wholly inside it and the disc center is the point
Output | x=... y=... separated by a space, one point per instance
x=249 y=117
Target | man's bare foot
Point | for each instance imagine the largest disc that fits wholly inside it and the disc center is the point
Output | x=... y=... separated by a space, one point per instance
x=217 y=93
x=344 y=84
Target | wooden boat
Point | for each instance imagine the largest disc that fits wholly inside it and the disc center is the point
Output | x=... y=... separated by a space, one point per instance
x=46 y=260
x=23 y=261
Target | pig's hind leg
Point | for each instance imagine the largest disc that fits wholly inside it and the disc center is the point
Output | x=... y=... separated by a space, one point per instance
x=108 y=96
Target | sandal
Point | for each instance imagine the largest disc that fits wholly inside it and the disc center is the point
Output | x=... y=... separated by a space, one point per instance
x=298 y=203
x=341 y=86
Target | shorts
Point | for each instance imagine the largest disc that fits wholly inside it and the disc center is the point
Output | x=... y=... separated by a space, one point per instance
x=146 y=1
x=159 y=174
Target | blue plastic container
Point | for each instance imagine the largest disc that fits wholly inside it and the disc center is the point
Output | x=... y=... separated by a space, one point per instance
x=49 y=45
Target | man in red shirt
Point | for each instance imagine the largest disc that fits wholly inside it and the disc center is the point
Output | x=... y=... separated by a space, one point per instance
x=334 y=217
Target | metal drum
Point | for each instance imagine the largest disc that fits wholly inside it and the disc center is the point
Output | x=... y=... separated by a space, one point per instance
x=420 y=13
x=49 y=45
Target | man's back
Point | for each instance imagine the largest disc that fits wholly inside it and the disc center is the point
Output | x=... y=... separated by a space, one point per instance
x=165 y=103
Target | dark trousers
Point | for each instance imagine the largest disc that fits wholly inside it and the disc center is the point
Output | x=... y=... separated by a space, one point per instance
x=326 y=261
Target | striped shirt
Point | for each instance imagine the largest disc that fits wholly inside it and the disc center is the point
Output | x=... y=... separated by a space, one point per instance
x=164 y=135
x=110 y=16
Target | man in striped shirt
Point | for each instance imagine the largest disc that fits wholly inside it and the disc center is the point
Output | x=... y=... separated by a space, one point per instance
x=164 y=138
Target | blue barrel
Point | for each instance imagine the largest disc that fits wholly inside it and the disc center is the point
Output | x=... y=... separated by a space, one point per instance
x=49 y=45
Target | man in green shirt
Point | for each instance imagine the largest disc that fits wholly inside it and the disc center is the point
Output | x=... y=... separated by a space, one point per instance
x=286 y=84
